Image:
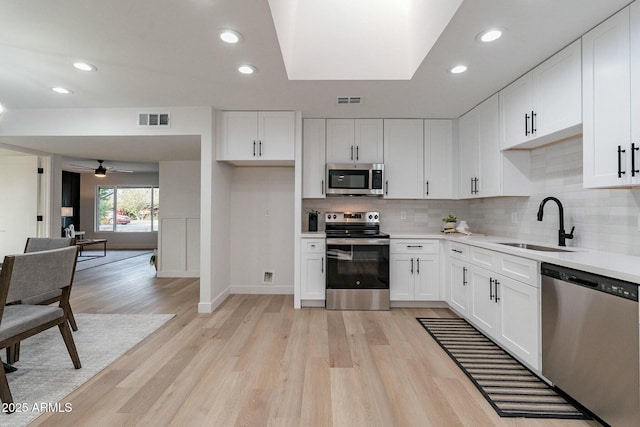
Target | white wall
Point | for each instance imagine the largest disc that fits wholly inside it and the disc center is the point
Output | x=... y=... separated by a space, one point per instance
x=179 y=236
x=115 y=240
x=259 y=242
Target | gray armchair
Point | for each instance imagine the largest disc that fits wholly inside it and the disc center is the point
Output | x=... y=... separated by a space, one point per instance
x=24 y=276
x=36 y=244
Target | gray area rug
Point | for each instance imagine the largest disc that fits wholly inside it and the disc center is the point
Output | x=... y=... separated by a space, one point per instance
x=45 y=372
x=90 y=258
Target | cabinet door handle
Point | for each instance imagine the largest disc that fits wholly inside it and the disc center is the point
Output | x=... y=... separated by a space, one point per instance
x=458 y=251
x=322 y=191
x=464 y=276
x=427 y=188
x=418 y=266
x=352 y=152
x=260 y=148
x=533 y=122
x=357 y=152
x=411 y=265
x=476 y=186
x=497 y=297
x=490 y=288
x=634 y=171
x=620 y=171
x=386 y=184
x=526 y=124
x=472 y=185
x=254 y=148
x=414 y=246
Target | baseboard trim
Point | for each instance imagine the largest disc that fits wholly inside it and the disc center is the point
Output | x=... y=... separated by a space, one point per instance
x=262 y=289
x=312 y=303
x=178 y=274
x=210 y=307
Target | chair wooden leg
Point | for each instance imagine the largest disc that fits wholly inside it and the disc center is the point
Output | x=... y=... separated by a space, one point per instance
x=5 y=392
x=70 y=318
x=13 y=353
x=71 y=345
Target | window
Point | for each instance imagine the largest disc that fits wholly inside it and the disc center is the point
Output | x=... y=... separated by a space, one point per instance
x=127 y=209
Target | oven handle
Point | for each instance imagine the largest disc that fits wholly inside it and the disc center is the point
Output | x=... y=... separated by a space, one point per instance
x=358 y=242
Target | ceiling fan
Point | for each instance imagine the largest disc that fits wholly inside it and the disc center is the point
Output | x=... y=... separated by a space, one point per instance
x=101 y=170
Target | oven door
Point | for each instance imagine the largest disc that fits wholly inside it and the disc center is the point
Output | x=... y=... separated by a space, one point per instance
x=357 y=263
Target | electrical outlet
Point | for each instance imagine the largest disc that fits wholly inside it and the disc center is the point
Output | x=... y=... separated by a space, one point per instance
x=639 y=222
x=403 y=215
x=514 y=217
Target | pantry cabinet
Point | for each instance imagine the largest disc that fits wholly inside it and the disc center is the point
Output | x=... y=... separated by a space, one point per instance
x=484 y=170
x=257 y=137
x=414 y=270
x=545 y=104
x=313 y=269
x=313 y=158
x=611 y=93
x=355 y=141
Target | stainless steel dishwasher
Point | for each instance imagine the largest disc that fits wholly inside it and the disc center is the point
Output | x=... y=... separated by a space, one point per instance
x=590 y=341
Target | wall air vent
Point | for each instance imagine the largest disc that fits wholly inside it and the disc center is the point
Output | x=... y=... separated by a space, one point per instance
x=153 y=119
x=348 y=100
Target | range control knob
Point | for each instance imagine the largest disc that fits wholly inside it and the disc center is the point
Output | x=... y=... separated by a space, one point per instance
x=334 y=216
x=370 y=216
x=376 y=216
x=329 y=216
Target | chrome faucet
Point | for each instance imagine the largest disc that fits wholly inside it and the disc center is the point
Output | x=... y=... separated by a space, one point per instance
x=561 y=234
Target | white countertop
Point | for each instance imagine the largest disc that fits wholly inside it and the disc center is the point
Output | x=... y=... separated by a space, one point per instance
x=619 y=266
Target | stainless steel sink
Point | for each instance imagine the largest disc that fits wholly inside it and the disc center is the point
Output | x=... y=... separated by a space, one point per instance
x=535 y=247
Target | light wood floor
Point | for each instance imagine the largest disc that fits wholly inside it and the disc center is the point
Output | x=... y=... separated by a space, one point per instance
x=256 y=361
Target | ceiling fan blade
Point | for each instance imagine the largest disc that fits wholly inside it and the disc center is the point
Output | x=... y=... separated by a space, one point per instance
x=118 y=171
x=81 y=167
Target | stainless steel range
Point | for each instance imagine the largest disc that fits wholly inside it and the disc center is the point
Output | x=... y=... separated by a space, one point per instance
x=357 y=262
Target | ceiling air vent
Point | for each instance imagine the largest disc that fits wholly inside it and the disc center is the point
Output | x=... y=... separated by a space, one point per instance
x=348 y=100
x=153 y=119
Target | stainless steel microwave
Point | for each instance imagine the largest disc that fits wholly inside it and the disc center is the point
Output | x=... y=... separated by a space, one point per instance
x=355 y=179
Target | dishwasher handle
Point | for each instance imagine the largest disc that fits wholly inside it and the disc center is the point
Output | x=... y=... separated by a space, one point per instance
x=583 y=282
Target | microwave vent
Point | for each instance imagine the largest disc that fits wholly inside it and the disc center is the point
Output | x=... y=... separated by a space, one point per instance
x=348 y=100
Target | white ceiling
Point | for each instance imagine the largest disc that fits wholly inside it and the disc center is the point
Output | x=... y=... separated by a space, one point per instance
x=157 y=53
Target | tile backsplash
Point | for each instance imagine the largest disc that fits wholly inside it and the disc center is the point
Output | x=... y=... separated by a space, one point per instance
x=604 y=219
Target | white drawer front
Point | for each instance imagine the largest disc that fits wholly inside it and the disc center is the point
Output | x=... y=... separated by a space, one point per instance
x=313 y=246
x=483 y=257
x=521 y=269
x=458 y=251
x=414 y=246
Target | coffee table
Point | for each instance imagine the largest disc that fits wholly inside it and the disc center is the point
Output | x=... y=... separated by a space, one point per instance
x=86 y=242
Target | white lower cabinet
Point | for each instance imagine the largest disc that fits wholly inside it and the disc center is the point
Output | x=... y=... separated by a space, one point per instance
x=482 y=288
x=414 y=270
x=313 y=269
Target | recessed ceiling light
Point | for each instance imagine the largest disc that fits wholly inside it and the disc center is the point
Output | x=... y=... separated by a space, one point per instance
x=230 y=36
x=458 y=69
x=85 y=66
x=247 y=69
x=62 y=90
x=489 y=35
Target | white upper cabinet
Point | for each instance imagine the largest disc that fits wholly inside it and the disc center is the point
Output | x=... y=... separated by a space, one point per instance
x=611 y=101
x=438 y=170
x=485 y=171
x=545 y=104
x=403 y=167
x=417 y=159
x=313 y=158
x=355 y=141
x=266 y=137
